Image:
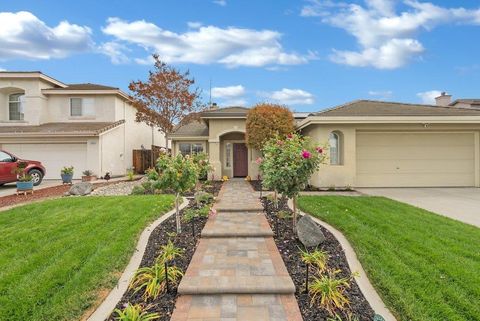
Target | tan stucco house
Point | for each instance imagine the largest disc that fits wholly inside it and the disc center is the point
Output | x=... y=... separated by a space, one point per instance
x=88 y=126
x=371 y=143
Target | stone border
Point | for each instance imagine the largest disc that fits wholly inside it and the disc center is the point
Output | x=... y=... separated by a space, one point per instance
x=103 y=311
x=355 y=266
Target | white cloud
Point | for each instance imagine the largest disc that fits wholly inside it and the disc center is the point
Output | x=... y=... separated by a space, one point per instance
x=222 y=3
x=208 y=44
x=116 y=52
x=387 y=37
x=381 y=94
x=23 y=35
x=290 y=96
x=194 y=24
x=230 y=95
x=428 y=97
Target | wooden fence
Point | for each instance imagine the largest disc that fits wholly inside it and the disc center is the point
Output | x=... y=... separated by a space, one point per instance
x=144 y=159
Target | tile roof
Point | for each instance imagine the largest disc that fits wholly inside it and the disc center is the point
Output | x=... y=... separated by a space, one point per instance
x=466 y=101
x=85 y=86
x=362 y=108
x=192 y=129
x=234 y=111
x=71 y=128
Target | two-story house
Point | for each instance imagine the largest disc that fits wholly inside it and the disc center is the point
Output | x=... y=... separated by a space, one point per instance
x=88 y=126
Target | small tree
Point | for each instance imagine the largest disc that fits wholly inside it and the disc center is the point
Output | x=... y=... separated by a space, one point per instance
x=166 y=98
x=177 y=173
x=265 y=121
x=288 y=164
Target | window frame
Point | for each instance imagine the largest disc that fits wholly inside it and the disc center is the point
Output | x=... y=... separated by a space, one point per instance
x=20 y=106
x=83 y=112
x=191 y=148
x=338 y=149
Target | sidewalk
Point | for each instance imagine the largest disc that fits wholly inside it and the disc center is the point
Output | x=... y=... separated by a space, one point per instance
x=237 y=272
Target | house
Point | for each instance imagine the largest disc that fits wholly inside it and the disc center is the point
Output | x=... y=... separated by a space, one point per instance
x=88 y=126
x=371 y=143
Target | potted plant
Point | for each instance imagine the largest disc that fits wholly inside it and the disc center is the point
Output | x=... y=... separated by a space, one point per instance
x=67 y=174
x=88 y=176
x=24 y=180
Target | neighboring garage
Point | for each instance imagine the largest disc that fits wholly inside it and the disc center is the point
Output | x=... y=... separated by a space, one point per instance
x=53 y=156
x=415 y=159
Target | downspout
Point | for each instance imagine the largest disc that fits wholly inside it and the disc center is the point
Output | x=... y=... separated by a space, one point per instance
x=124 y=136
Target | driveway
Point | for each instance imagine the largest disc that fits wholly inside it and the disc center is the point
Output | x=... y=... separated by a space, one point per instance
x=9 y=189
x=462 y=204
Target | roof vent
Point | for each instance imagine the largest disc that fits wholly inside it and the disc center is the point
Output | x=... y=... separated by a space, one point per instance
x=443 y=100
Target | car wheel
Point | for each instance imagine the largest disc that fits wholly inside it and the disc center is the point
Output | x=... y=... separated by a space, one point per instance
x=37 y=176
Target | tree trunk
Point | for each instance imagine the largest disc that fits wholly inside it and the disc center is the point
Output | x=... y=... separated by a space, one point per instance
x=177 y=214
x=294 y=212
x=275 y=200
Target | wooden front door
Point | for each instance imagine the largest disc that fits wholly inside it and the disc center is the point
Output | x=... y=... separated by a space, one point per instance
x=240 y=160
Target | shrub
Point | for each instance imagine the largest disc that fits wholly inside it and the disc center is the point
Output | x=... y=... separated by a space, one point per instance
x=130 y=173
x=203 y=198
x=317 y=258
x=265 y=121
x=135 y=313
x=176 y=173
x=203 y=165
x=138 y=190
x=288 y=164
x=87 y=172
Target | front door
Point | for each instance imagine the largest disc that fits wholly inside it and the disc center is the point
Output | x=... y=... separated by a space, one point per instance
x=240 y=160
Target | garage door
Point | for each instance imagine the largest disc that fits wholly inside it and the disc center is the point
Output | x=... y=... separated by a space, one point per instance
x=53 y=156
x=415 y=159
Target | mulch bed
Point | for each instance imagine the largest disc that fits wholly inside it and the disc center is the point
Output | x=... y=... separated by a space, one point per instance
x=44 y=193
x=289 y=245
x=165 y=303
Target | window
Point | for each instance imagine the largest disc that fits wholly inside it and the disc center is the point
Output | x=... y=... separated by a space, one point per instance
x=4 y=157
x=15 y=106
x=228 y=155
x=190 y=148
x=335 y=142
x=82 y=107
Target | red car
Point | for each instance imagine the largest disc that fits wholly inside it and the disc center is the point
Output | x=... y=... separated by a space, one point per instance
x=8 y=163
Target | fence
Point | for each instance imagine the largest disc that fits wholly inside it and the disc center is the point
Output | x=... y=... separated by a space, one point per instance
x=144 y=159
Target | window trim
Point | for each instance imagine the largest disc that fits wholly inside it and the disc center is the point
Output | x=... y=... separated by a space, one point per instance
x=202 y=145
x=83 y=114
x=19 y=102
x=338 y=136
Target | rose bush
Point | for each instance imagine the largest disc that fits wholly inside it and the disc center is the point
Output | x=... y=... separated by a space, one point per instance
x=288 y=163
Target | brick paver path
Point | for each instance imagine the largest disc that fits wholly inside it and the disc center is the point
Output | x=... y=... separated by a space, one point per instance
x=237 y=273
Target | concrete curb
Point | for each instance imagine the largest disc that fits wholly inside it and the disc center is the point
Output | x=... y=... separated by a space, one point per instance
x=355 y=266
x=104 y=310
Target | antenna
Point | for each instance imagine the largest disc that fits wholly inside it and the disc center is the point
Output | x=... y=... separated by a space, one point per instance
x=210 y=101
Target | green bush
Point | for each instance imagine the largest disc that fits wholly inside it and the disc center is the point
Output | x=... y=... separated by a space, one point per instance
x=138 y=190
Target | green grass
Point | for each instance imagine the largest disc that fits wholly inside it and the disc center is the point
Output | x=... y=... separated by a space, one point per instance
x=56 y=255
x=426 y=267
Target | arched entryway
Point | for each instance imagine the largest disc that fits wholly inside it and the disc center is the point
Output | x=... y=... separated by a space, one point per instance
x=234 y=154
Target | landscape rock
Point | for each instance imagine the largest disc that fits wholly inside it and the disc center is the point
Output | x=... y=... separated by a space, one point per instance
x=81 y=189
x=309 y=232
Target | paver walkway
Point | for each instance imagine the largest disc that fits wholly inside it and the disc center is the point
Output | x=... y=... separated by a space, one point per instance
x=237 y=273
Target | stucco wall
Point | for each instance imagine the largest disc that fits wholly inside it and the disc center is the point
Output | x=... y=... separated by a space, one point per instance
x=345 y=174
x=59 y=109
x=112 y=150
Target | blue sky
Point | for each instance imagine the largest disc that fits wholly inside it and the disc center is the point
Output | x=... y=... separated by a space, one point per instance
x=308 y=54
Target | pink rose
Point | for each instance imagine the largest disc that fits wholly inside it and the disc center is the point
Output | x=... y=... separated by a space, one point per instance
x=289 y=136
x=280 y=143
x=319 y=150
x=306 y=154
x=259 y=160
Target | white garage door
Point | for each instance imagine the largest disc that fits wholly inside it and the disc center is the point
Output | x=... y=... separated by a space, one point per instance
x=53 y=156
x=415 y=159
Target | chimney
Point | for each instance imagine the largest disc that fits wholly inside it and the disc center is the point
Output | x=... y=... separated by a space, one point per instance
x=214 y=106
x=443 y=100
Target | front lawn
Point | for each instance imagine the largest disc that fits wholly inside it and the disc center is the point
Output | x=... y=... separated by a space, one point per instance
x=56 y=256
x=426 y=267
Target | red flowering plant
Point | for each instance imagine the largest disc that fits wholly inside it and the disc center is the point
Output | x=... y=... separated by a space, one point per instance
x=288 y=163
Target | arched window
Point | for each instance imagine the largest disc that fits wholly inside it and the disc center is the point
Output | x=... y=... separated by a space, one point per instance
x=335 y=142
x=15 y=106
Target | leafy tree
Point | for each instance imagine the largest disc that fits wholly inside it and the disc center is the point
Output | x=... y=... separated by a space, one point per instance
x=177 y=173
x=288 y=164
x=166 y=98
x=264 y=121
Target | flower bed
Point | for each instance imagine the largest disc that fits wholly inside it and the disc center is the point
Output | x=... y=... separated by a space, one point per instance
x=289 y=248
x=165 y=302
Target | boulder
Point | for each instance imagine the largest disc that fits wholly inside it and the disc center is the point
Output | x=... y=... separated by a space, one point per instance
x=81 y=189
x=309 y=232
